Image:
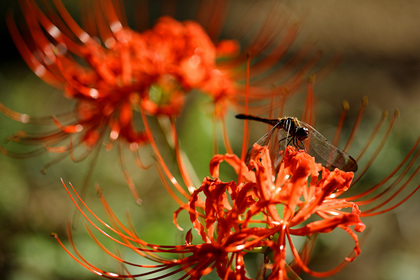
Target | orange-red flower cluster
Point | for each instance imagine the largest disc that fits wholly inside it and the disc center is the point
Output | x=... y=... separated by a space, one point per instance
x=127 y=71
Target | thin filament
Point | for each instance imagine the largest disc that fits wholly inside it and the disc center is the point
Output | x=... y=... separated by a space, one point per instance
x=356 y=123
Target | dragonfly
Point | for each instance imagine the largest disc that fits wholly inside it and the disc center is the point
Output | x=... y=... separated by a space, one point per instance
x=304 y=137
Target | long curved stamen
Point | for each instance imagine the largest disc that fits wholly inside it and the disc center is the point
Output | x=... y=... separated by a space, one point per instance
x=95 y=270
x=272 y=102
x=23 y=118
x=87 y=179
x=93 y=214
x=71 y=148
x=246 y=132
x=212 y=14
x=373 y=135
x=378 y=149
x=159 y=156
x=215 y=135
x=299 y=65
x=394 y=184
x=311 y=272
x=226 y=140
x=308 y=113
x=167 y=186
x=390 y=175
x=371 y=212
x=181 y=165
x=356 y=123
x=126 y=234
x=72 y=24
x=276 y=54
x=345 y=107
x=127 y=175
x=134 y=148
x=110 y=275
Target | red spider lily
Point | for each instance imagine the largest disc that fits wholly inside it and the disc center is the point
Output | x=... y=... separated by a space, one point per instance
x=303 y=188
x=236 y=219
x=112 y=71
x=151 y=70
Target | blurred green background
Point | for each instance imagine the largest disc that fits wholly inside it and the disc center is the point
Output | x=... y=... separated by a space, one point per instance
x=380 y=43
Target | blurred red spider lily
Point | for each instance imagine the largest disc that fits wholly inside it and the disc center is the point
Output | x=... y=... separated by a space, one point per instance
x=236 y=219
x=112 y=72
x=129 y=71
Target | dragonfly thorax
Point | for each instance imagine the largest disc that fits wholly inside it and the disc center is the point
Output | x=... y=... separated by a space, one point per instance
x=292 y=126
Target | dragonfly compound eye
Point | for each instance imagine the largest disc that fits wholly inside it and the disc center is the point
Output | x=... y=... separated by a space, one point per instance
x=302 y=133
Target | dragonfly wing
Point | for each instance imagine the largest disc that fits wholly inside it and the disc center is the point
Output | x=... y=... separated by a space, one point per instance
x=271 y=139
x=262 y=142
x=277 y=143
x=326 y=153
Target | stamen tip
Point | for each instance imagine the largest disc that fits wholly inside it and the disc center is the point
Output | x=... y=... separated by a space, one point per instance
x=312 y=78
x=385 y=115
x=345 y=105
x=98 y=190
x=365 y=100
x=24 y=118
x=139 y=202
x=396 y=113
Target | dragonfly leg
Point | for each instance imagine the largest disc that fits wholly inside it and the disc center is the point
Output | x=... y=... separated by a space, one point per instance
x=287 y=143
x=300 y=145
x=292 y=140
